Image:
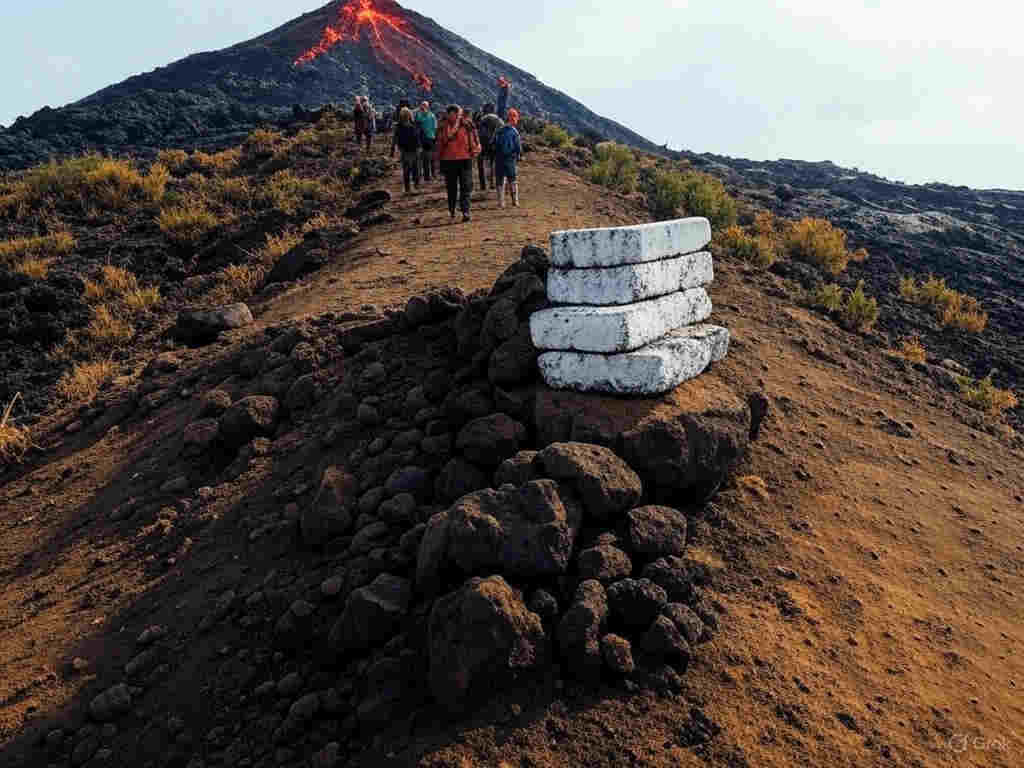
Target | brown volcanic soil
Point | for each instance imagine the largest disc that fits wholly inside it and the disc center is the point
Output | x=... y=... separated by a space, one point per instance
x=871 y=582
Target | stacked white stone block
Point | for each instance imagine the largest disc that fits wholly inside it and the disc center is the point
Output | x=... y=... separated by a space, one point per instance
x=631 y=302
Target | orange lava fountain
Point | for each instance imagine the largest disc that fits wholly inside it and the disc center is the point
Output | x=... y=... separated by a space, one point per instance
x=357 y=16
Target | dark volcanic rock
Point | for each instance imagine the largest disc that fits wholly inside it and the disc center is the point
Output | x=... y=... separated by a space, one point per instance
x=656 y=531
x=248 y=418
x=491 y=440
x=480 y=638
x=636 y=602
x=201 y=326
x=606 y=484
x=579 y=632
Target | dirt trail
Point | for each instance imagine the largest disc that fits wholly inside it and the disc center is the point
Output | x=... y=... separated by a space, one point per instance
x=872 y=581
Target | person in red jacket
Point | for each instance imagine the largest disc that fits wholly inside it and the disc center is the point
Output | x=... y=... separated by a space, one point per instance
x=457 y=145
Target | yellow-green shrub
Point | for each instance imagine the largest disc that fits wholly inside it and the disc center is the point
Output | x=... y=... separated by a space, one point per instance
x=758 y=249
x=987 y=397
x=829 y=297
x=33 y=267
x=285 y=192
x=951 y=307
x=706 y=196
x=817 y=242
x=614 y=168
x=860 y=311
x=668 y=189
x=555 y=136
x=174 y=160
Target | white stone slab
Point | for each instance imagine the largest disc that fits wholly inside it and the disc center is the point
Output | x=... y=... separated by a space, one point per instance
x=615 y=246
x=630 y=283
x=620 y=328
x=659 y=367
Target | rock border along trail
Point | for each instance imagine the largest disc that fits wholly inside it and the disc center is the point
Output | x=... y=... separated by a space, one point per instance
x=618 y=339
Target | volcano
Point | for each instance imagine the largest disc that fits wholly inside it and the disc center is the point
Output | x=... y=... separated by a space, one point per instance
x=371 y=47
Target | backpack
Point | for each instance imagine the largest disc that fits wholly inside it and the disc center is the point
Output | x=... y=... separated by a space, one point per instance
x=474 y=139
x=408 y=138
x=505 y=142
x=487 y=132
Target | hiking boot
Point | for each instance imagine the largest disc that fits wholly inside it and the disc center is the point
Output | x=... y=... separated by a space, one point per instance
x=466 y=217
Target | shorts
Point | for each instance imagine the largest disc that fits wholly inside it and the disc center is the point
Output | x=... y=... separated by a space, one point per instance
x=505 y=169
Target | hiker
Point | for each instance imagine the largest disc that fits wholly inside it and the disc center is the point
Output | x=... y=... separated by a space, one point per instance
x=361 y=121
x=407 y=139
x=487 y=125
x=371 y=117
x=504 y=89
x=507 y=151
x=426 y=121
x=457 y=145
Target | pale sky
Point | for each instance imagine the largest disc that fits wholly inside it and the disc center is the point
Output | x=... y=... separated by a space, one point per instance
x=914 y=90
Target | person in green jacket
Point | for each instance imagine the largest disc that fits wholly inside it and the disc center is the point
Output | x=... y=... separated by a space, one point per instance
x=426 y=121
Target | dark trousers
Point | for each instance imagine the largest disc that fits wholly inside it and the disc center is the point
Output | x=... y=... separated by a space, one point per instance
x=485 y=162
x=458 y=176
x=427 y=154
x=411 y=168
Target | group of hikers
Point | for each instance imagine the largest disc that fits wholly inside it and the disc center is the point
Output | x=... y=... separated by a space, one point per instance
x=452 y=143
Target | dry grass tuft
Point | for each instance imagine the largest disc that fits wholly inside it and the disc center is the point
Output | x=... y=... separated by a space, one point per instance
x=87 y=183
x=187 y=224
x=33 y=267
x=236 y=283
x=829 y=297
x=757 y=248
x=913 y=350
x=41 y=247
x=84 y=381
x=15 y=441
x=107 y=330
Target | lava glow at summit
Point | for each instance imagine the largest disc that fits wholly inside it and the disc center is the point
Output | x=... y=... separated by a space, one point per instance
x=358 y=16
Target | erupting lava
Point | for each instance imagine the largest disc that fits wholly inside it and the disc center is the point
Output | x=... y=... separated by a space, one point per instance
x=353 y=18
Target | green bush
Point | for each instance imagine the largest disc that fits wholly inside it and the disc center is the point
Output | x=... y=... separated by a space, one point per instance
x=706 y=196
x=614 y=168
x=556 y=136
x=860 y=311
x=817 y=242
x=668 y=189
x=829 y=297
x=758 y=249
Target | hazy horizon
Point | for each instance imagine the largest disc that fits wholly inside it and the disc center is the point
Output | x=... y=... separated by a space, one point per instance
x=916 y=93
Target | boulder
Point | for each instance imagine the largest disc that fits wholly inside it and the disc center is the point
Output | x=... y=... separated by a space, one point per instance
x=331 y=513
x=688 y=622
x=490 y=440
x=201 y=326
x=413 y=480
x=250 y=417
x=303 y=394
x=200 y=435
x=514 y=362
x=579 y=632
x=604 y=563
x=481 y=637
x=656 y=531
x=459 y=478
x=373 y=614
x=673 y=575
x=663 y=639
x=214 y=403
x=525 y=532
x=111 y=704
x=518 y=470
x=618 y=654
x=689 y=438
x=636 y=602
x=606 y=484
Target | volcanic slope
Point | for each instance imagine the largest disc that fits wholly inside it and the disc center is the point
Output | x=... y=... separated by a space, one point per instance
x=867 y=559
x=212 y=98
